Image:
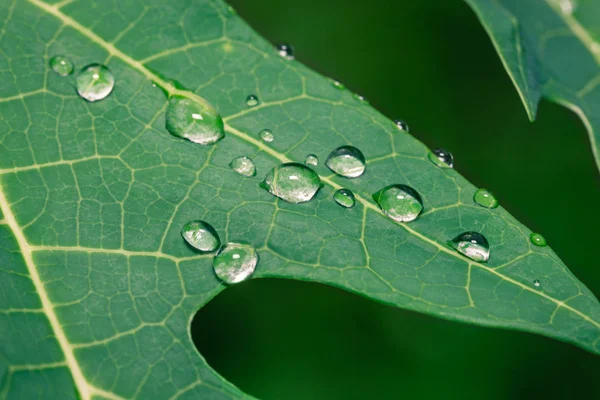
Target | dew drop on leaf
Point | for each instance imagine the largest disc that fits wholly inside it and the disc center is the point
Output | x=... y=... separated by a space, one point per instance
x=345 y=198
x=231 y=10
x=536 y=283
x=235 y=262
x=286 y=51
x=266 y=135
x=485 y=199
x=94 y=82
x=399 y=202
x=338 y=84
x=346 y=161
x=403 y=126
x=360 y=98
x=243 y=166
x=473 y=245
x=311 y=160
x=442 y=158
x=251 y=100
x=537 y=240
x=201 y=235
x=292 y=182
x=61 y=65
x=193 y=120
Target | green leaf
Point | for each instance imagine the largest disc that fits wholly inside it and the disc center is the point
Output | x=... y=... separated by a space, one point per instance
x=550 y=48
x=98 y=287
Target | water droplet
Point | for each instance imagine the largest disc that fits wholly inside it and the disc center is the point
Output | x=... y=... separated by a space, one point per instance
x=344 y=197
x=338 y=85
x=243 y=166
x=536 y=283
x=231 y=10
x=473 y=245
x=193 y=120
x=347 y=161
x=286 y=51
x=311 y=160
x=442 y=158
x=538 y=239
x=403 y=126
x=201 y=236
x=235 y=262
x=266 y=135
x=485 y=199
x=399 y=202
x=292 y=182
x=95 y=82
x=360 y=98
x=61 y=65
x=251 y=100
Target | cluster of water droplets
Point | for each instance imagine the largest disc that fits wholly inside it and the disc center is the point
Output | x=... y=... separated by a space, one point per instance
x=93 y=83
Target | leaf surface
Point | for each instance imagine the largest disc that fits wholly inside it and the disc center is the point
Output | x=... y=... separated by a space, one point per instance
x=98 y=288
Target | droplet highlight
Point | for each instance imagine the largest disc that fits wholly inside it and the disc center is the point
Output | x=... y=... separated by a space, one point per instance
x=292 y=182
x=538 y=239
x=401 y=125
x=61 y=65
x=94 y=82
x=235 y=262
x=251 y=100
x=537 y=283
x=345 y=198
x=442 y=158
x=485 y=199
x=286 y=51
x=201 y=235
x=243 y=166
x=346 y=161
x=472 y=245
x=311 y=160
x=193 y=120
x=266 y=135
x=399 y=202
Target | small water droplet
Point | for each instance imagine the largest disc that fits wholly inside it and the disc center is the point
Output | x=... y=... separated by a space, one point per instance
x=347 y=161
x=61 y=65
x=536 y=283
x=473 y=245
x=538 y=239
x=201 y=236
x=95 y=82
x=311 y=160
x=266 y=135
x=292 y=182
x=231 y=10
x=442 y=158
x=403 y=126
x=399 y=202
x=251 y=100
x=338 y=85
x=345 y=198
x=243 y=166
x=360 y=98
x=286 y=51
x=485 y=199
x=193 y=120
x=235 y=262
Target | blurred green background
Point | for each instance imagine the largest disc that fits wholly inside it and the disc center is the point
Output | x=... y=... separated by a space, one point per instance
x=431 y=64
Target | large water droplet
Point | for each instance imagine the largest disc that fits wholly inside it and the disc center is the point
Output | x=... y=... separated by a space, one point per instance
x=61 y=65
x=292 y=182
x=399 y=202
x=473 y=245
x=403 y=126
x=442 y=158
x=311 y=160
x=201 y=235
x=537 y=239
x=243 y=166
x=195 y=121
x=344 y=197
x=95 y=82
x=485 y=199
x=347 y=161
x=266 y=135
x=235 y=262
x=338 y=85
x=251 y=100
x=286 y=51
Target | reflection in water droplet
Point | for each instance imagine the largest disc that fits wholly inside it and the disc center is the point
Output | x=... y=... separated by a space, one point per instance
x=360 y=98
x=95 y=82
x=286 y=51
x=442 y=158
x=473 y=245
x=344 y=197
x=403 y=126
x=192 y=120
x=347 y=161
x=243 y=166
x=292 y=182
x=61 y=65
x=536 y=283
x=201 y=236
x=251 y=100
x=338 y=85
x=399 y=202
x=266 y=135
x=311 y=160
x=485 y=199
x=537 y=239
x=235 y=262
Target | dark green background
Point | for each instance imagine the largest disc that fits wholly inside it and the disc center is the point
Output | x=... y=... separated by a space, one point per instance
x=431 y=64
